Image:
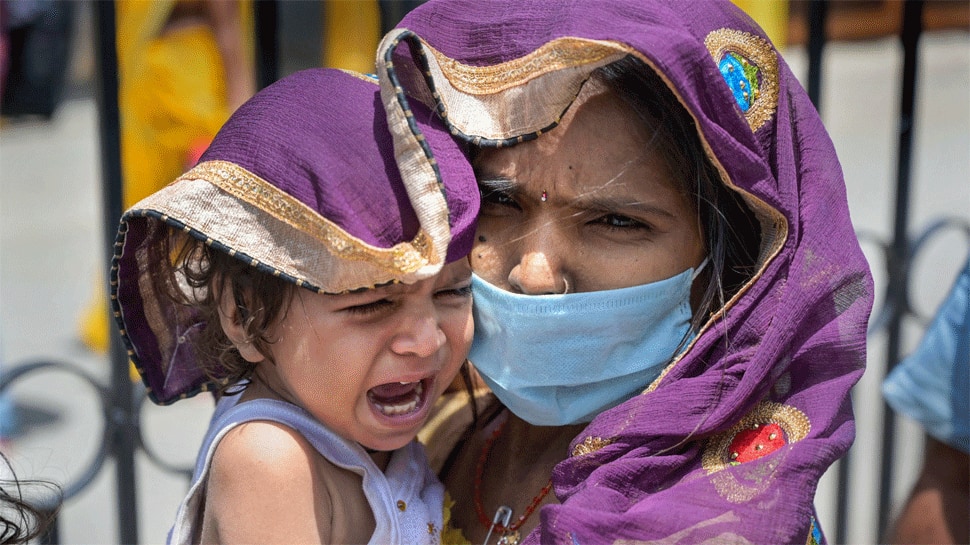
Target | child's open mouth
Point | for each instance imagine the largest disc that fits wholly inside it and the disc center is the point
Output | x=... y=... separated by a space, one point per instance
x=398 y=398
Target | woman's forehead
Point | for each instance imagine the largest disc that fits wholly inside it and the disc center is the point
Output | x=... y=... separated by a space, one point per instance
x=601 y=145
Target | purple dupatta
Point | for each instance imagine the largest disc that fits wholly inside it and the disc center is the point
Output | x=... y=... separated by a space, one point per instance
x=729 y=443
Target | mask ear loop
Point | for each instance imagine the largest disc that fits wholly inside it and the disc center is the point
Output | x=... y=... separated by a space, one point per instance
x=700 y=269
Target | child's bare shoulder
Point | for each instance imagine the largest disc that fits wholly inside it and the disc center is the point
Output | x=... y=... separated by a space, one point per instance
x=264 y=483
x=271 y=448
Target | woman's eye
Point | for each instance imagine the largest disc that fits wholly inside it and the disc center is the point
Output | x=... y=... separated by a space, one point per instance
x=616 y=221
x=370 y=308
x=497 y=198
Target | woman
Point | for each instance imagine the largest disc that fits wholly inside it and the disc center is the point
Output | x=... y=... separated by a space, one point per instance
x=670 y=300
x=183 y=67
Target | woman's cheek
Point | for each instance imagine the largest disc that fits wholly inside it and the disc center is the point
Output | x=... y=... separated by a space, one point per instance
x=488 y=261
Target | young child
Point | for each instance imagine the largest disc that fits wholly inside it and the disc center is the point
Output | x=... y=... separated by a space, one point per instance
x=294 y=272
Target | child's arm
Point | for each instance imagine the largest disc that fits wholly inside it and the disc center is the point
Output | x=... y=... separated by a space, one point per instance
x=265 y=487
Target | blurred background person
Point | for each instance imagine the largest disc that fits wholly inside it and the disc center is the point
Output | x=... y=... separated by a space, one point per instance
x=34 y=55
x=932 y=386
x=183 y=67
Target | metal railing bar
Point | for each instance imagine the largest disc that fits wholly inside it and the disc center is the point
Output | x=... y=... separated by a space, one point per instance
x=817 y=16
x=266 y=14
x=897 y=298
x=936 y=227
x=141 y=396
x=92 y=469
x=120 y=422
x=882 y=315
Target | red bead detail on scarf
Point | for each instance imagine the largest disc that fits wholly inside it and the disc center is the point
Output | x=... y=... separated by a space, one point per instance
x=753 y=443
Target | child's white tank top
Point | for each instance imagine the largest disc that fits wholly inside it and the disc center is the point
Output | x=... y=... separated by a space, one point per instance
x=407 y=498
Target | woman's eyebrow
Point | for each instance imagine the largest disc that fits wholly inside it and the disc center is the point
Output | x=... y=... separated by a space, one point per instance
x=496 y=184
x=605 y=203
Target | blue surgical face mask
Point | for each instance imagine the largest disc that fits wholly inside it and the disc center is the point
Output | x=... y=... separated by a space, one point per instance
x=562 y=359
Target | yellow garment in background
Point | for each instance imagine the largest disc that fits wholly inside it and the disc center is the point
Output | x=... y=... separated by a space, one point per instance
x=771 y=15
x=172 y=98
x=172 y=93
x=351 y=34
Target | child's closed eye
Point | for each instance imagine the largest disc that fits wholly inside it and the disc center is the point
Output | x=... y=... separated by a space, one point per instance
x=456 y=292
x=372 y=307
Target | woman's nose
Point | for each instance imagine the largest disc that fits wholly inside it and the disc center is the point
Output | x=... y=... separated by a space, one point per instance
x=419 y=334
x=538 y=273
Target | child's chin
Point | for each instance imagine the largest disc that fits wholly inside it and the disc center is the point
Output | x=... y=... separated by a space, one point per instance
x=388 y=444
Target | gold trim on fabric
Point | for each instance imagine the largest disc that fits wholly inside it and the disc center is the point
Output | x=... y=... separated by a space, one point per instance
x=402 y=258
x=360 y=76
x=552 y=56
x=794 y=422
x=590 y=445
x=759 y=52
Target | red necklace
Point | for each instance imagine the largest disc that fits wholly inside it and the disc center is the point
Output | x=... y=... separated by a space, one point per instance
x=480 y=509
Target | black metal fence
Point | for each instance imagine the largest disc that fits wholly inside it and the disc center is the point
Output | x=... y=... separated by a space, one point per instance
x=121 y=401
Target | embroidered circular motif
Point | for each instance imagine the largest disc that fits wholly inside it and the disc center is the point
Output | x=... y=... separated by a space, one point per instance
x=749 y=66
x=766 y=429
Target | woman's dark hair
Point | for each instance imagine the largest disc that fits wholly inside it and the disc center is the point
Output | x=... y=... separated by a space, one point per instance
x=730 y=230
x=261 y=300
x=20 y=520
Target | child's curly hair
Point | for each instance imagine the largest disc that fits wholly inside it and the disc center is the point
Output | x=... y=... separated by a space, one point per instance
x=195 y=281
x=261 y=301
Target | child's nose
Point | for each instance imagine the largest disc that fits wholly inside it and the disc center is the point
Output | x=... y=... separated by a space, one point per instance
x=419 y=334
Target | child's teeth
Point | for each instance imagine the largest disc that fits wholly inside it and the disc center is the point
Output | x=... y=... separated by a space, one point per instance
x=392 y=410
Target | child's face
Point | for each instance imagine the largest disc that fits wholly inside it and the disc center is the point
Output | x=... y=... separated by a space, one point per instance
x=370 y=365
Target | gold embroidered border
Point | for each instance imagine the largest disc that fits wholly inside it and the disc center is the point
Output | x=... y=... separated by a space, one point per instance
x=402 y=258
x=590 y=445
x=762 y=54
x=550 y=57
x=793 y=421
x=359 y=76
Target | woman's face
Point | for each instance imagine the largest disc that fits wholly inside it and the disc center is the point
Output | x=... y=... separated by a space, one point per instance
x=589 y=206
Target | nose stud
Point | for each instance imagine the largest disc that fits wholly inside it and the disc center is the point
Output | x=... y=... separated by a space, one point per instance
x=544 y=197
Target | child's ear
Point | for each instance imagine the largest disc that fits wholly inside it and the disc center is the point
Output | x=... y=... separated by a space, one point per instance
x=231 y=322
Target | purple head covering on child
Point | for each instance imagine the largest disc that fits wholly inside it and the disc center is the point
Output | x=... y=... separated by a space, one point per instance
x=301 y=183
x=729 y=443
